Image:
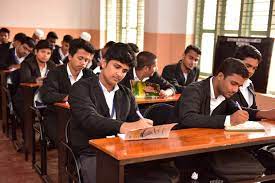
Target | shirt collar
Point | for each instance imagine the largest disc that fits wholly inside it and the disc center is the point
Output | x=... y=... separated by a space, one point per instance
x=17 y=58
x=212 y=93
x=246 y=83
x=136 y=77
x=105 y=89
x=61 y=54
x=71 y=76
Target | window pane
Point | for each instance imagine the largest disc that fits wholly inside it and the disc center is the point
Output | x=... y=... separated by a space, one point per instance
x=207 y=48
x=132 y=36
x=132 y=13
x=111 y=20
x=232 y=14
x=260 y=15
x=271 y=76
x=232 y=35
x=209 y=14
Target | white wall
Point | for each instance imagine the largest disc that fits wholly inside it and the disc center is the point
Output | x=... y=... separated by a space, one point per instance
x=174 y=16
x=78 y=14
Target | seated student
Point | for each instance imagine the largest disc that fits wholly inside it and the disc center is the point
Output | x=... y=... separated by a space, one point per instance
x=98 y=57
x=206 y=104
x=97 y=112
x=35 y=69
x=52 y=38
x=134 y=47
x=146 y=71
x=37 y=35
x=251 y=58
x=85 y=36
x=14 y=59
x=59 y=54
x=4 y=37
x=185 y=71
x=24 y=46
x=59 y=81
x=18 y=39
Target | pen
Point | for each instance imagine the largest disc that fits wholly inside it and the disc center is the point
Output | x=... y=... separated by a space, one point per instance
x=139 y=114
x=238 y=105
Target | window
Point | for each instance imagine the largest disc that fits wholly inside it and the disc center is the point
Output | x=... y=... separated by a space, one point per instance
x=252 y=18
x=124 y=21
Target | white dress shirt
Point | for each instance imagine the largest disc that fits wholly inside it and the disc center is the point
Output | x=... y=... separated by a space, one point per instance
x=62 y=55
x=109 y=97
x=246 y=93
x=72 y=80
x=215 y=102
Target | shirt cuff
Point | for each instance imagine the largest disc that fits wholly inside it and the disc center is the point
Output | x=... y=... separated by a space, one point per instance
x=169 y=92
x=227 y=121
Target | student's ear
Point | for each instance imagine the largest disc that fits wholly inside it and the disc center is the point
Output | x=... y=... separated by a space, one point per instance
x=70 y=57
x=103 y=63
x=220 y=76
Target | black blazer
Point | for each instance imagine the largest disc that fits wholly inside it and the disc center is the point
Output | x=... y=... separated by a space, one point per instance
x=156 y=78
x=240 y=98
x=56 y=57
x=29 y=70
x=97 y=57
x=57 y=84
x=193 y=108
x=174 y=75
x=90 y=113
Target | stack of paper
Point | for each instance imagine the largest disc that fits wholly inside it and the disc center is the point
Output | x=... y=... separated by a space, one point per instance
x=247 y=126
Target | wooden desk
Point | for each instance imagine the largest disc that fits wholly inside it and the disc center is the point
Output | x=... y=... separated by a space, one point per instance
x=28 y=91
x=63 y=115
x=157 y=100
x=113 y=154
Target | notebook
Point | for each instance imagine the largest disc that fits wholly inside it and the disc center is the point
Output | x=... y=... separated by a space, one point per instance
x=251 y=126
x=154 y=132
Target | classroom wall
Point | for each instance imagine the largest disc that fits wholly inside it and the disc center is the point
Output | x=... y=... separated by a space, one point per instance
x=168 y=29
x=62 y=16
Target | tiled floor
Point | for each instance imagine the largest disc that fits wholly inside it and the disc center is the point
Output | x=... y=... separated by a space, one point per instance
x=14 y=168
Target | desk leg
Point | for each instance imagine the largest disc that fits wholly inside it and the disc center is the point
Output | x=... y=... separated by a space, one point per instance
x=63 y=116
x=108 y=169
x=28 y=120
x=4 y=104
x=4 y=112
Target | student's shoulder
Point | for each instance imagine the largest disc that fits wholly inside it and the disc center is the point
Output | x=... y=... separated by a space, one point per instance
x=170 y=67
x=200 y=86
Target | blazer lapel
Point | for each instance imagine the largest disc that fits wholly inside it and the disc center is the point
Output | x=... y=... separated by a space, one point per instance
x=117 y=104
x=101 y=101
x=179 y=75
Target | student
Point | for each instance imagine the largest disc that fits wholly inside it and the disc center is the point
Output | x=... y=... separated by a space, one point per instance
x=37 y=35
x=185 y=71
x=4 y=36
x=98 y=57
x=35 y=69
x=14 y=59
x=59 y=54
x=134 y=47
x=18 y=39
x=146 y=71
x=52 y=38
x=59 y=81
x=251 y=58
x=24 y=46
x=101 y=107
x=206 y=104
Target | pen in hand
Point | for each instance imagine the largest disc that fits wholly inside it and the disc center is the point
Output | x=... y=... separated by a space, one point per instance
x=139 y=114
x=238 y=105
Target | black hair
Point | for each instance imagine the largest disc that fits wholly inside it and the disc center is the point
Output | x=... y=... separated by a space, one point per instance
x=246 y=51
x=52 y=35
x=77 y=44
x=122 y=53
x=29 y=41
x=134 y=47
x=43 y=44
x=194 y=48
x=145 y=58
x=109 y=44
x=5 y=30
x=232 y=66
x=20 y=37
x=68 y=38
